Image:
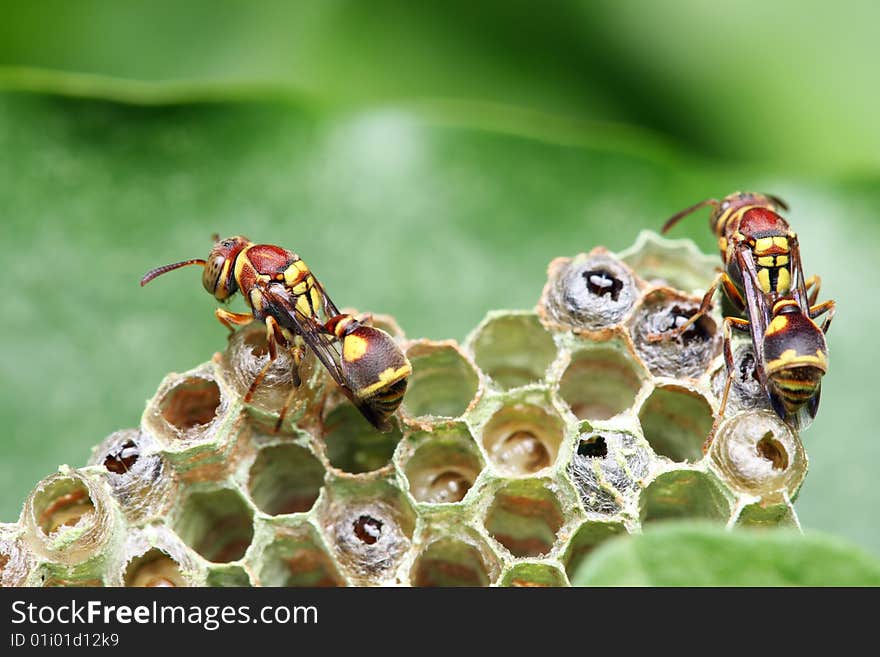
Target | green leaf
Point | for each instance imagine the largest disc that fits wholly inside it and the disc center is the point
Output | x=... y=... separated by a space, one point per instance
x=680 y=554
x=436 y=213
x=779 y=82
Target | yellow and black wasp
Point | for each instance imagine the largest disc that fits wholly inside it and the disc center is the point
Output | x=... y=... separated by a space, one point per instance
x=281 y=291
x=763 y=278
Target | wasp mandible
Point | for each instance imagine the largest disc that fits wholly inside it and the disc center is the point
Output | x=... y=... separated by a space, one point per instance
x=763 y=278
x=281 y=291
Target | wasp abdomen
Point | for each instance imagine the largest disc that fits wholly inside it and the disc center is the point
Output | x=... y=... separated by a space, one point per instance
x=372 y=361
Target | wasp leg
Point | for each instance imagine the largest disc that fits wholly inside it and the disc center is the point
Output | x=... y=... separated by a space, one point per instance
x=230 y=320
x=814 y=282
x=705 y=305
x=744 y=326
x=820 y=309
x=296 y=353
x=272 y=333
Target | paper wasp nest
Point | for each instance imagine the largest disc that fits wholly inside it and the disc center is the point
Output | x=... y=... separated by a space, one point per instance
x=514 y=456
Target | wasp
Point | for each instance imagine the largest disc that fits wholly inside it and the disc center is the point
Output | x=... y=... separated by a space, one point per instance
x=281 y=291
x=791 y=353
x=763 y=278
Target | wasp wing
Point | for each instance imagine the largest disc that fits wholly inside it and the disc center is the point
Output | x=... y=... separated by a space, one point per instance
x=323 y=344
x=330 y=309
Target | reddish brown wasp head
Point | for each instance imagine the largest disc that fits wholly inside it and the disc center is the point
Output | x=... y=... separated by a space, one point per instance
x=219 y=275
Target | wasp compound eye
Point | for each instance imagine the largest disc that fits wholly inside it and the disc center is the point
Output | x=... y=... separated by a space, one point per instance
x=213 y=272
x=590 y=292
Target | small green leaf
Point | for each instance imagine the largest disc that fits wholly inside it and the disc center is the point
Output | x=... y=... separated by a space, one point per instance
x=677 y=554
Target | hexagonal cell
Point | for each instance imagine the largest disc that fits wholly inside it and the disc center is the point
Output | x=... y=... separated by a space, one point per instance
x=297 y=557
x=601 y=381
x=684 y=494
x=352 y=444
x=67 y=518
x=154 y=569
x=15 y=562
x=443 y=383
x=606 y=467
x=513 y=349
x=369 y=525
x=534 y=575
x=523 y=438
x=676 y=422
x=759 y=454
x=676 y=263
x=138 y=476
x=190 y=405
x=454 y=556
x=591 y=291
x=686 y=355
x=588 y=537
x=218 y=524
x=443 y=465
x=244 y=359
x=525 y=517
x=760 y=516
x=285 y=478
x=228 y=576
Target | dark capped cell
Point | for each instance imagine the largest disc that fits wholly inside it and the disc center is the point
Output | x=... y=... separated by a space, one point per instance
x=139 y=477
x=606 y=467
x=591 y=291
x=121 y=459
x=677 y=316
x=602 y=282
x=367 y=529
x=665 y=352
x=369 y=526
x=594 y=447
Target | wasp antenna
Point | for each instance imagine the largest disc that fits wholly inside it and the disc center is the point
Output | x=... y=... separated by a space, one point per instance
x=158 y=271
x=215 y=237
x=778 y=201
x=674 y=219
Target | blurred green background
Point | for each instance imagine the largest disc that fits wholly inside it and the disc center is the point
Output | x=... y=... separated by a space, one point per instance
x=427 y=161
